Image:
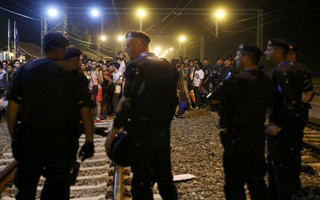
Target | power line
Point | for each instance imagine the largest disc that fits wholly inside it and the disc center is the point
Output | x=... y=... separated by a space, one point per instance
x=25 y=7
x=173 y=19
x=162 y=20
x=22 y=15
x=280 y=19
x=117 y=15
x=271 y=12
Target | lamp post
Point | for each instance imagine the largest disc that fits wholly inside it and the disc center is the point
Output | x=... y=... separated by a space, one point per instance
x=96 y=13
x=181 y=40
x=219 y=15
x=100 y=38
x=121 y=39
x=141 y=13
x=48 y=13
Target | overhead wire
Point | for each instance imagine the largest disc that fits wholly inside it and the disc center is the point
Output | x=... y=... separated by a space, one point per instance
x=25 y=7
x=19 y=14
x=266 y=23
x=172 y=20
x=162 y=20
x=246 y=29
x=117 y=14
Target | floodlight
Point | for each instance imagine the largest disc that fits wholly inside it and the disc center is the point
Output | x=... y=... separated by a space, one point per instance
x=95 y=12
x=52 y=12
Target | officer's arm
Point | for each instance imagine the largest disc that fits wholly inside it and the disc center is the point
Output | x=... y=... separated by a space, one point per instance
x=307 y=96
x=88 y=123
x=117 y=123
x=12 y=117
x=206 y=80
x=201 y=81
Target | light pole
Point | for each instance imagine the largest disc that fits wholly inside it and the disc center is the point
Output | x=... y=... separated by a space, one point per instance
x=100 y=38
x=121 y=39
x=219 y=15
x=48 y=13
x=181 y=40
x=96 y=13
x=141 y=13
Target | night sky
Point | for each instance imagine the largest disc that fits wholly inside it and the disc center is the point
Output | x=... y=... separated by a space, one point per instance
x=293 y=20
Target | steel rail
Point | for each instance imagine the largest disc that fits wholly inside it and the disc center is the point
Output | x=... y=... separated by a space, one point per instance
x=7 y=175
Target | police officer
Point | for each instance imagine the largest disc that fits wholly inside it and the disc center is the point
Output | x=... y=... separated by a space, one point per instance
x=307 y=95
x=208 y=78
x=244 y=98
x=48 y=98
x=285 y=126
x=227 y=67
x=149 y=101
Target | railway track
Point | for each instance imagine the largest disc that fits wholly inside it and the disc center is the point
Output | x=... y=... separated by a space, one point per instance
x=98 y=177
x=311 y=137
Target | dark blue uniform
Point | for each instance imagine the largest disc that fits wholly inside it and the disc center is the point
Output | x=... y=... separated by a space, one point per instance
x=244 y=100
x=151 y=85
x=47 y=138
x=284 y=148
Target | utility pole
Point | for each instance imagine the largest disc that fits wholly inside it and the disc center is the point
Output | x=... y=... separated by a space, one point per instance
x=44 y=29
x=65 y=22
x=260 y=28
x=201 y=47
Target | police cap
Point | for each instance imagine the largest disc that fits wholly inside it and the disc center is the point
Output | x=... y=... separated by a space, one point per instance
x=227 y=57
x=278 y=43
x=251 y=49
x=72 y=52
x=55 y=39
x=120 y=150
x=219 y=58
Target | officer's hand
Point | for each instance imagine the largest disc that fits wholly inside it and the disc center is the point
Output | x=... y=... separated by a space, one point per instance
x=110 y=139
x=87 y=151
x=273 y=130
x=108 y=145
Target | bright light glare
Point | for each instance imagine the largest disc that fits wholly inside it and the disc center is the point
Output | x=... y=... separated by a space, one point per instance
x=157 y=49
x=167 y=51
x=95 y=12
x=182 y=38
x=171 y=49
x=120 y=38
x=141 y=13
x=53 y=12
x=220 y=14
x=103 y=38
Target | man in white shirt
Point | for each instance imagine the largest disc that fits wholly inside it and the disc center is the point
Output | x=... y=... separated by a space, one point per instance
x=197 y=82
x=122 y=62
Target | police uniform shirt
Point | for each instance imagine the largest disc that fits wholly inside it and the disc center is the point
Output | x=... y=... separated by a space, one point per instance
x=50 y=97
x=245 y=97
x=289 y=83
x=151 y=83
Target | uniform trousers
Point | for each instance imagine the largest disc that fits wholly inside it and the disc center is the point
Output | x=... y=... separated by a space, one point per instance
x=151 y=163
x=284 y=160
x=53 y=165
x=244 y=162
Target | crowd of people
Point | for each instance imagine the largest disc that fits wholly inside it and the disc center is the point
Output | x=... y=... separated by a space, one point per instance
x=105 y=79
x=197 y=79
x=143 y=102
